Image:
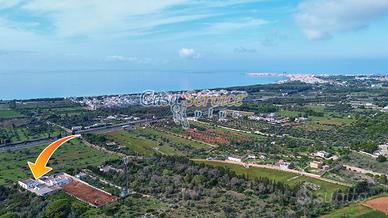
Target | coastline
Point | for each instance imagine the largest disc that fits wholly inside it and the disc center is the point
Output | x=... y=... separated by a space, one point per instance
x=41 y=85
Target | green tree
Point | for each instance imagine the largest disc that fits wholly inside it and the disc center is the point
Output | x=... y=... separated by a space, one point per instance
x=381 y=158
x=57 y=209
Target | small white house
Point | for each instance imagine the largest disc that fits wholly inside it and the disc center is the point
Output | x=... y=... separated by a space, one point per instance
x=76 y=128
x=252 y=157
x=382 y=150
x=322 y=154
x=28 y=183
x=234 y=159
x=283 y=164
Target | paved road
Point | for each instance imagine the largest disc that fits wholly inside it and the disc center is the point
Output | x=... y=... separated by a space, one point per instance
x=20 y=145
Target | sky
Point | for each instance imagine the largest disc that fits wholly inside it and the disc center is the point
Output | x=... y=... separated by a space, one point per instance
x=304 y=36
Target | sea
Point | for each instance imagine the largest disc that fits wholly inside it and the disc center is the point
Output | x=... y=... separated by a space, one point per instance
x=32 y=85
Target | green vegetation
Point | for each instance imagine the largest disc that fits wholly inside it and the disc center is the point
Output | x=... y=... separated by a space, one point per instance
x=146 y=141
x=259 y=108
x=7 y=112
x=253 y=172
x=340 y=119
x=172 y=138
x=365 y=146
x=13 y=134
x=326 y=188
x=365 y=161
x=70 y=157
x=140 y=145
x=381 y=158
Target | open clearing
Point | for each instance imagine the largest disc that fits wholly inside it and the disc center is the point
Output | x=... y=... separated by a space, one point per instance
x=154 y=141
x=356 y=211
x=7 y=113
x=88 y=194
x=141 y=145
x=326 y=188
x=380 y=204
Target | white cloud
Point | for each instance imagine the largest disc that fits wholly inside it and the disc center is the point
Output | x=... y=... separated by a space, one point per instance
x=74 y=17
x=124 y=18
x=320 y=19
x=188 y=53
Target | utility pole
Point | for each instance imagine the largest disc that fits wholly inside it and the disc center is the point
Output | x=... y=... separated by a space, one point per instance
x=124 y=192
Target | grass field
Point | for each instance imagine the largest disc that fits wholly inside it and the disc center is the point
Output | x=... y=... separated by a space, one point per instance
x=173 y=138
x=7 y=113
x=327 y=119
x=292 y=179
x=153 y=141
x=141 y=145
x=72 y=155
x=22 y=134
x=356 y=211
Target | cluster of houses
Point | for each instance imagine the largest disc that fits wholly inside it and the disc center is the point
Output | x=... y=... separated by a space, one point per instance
x=94 y=103
x=47 y=184
x=270 y=118
x=73 y=186
x=282 y=164
x=107 y=123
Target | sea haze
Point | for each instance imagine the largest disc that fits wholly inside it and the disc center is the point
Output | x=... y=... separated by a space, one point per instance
x=27 y=85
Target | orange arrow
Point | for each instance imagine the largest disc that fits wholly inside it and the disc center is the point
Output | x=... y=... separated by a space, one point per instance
x=39 y=168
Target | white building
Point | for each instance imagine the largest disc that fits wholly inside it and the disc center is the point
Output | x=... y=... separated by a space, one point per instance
x=234 y=159
x=382 y=150
x=59 y=179
x=28 y=183
x=251 y=157
x=76 y=128
x=301 y=119
x=283 y=164
x=322 y=154
x=46 y=185
x=42 y=190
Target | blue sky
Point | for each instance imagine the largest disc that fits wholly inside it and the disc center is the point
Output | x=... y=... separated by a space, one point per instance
x=340 y=36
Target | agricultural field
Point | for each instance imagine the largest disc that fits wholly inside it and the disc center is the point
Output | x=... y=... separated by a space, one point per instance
x=172 y=138
x=222 y=136
x=141 y=145
x=7 y=113
x=363 y=209
x=69 y=157
x=292 y=179
x=23 y=133
x=325 y=118
x=148 y=141
x=355 y=211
